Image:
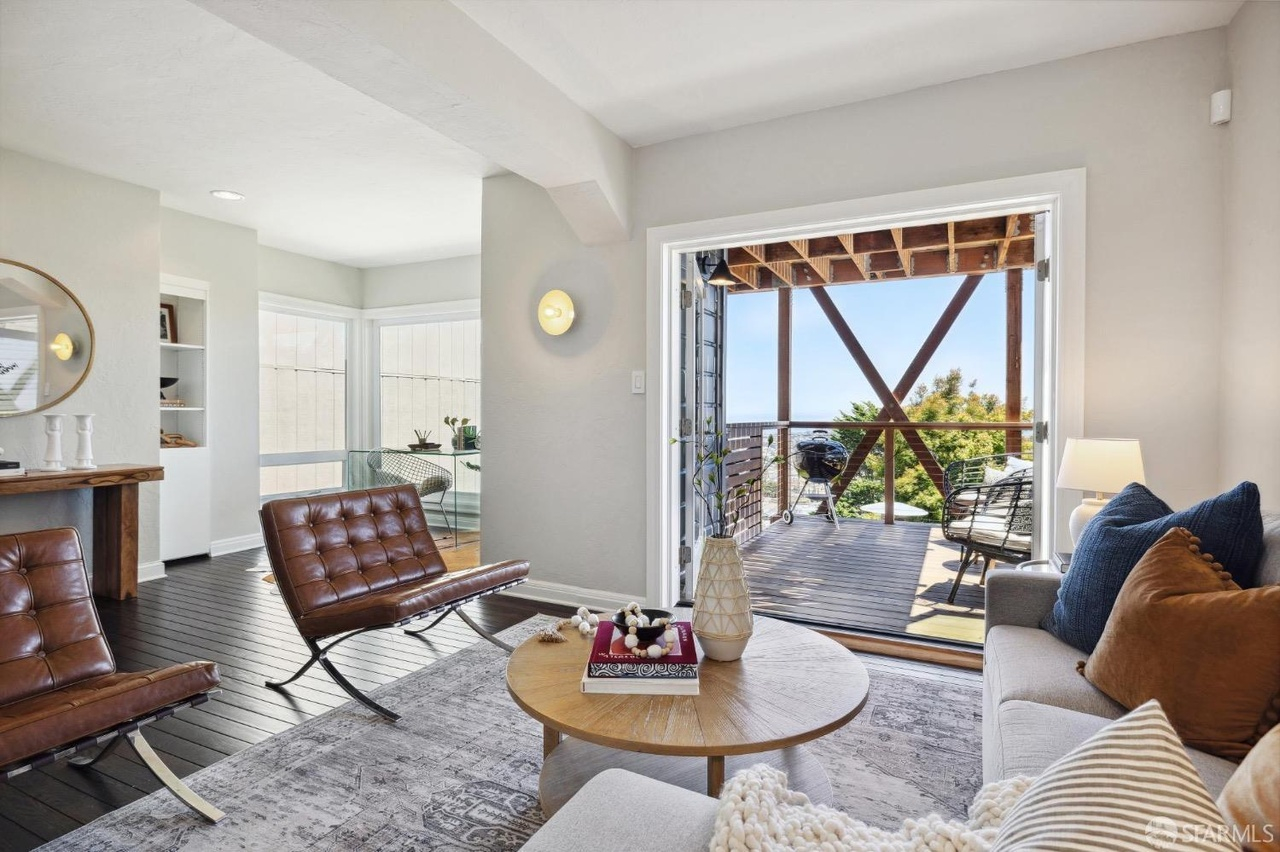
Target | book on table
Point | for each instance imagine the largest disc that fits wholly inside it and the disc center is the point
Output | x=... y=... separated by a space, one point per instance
x=612 y=668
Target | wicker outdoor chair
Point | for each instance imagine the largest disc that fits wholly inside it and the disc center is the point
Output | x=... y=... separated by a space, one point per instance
x=397 y=467
x=993 y=520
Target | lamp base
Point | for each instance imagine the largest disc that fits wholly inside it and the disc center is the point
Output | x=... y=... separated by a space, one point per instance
x=1081 y=515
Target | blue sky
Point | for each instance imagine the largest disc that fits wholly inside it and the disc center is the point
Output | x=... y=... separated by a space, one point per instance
x=891 y=320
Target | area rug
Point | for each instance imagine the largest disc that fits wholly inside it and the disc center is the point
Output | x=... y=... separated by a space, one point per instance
x=459 y=772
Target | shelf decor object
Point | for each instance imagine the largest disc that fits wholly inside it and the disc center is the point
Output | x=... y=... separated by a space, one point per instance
x=53 y=443
x=84 y=443
x=1100 y=465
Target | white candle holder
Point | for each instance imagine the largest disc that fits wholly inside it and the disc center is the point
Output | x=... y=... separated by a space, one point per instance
x=84 y=443
x=53 y=443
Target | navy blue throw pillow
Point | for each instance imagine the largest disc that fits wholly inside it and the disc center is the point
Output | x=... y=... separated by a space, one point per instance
x=1229 y=527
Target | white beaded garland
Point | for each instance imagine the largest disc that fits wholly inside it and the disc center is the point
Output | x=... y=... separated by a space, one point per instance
x=593 y=619
x=631 y=641
x=655 y=650
x=575 y=620
x=584 y=628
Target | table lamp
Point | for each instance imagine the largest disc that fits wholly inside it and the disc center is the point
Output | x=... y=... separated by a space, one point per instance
x=1100 y=465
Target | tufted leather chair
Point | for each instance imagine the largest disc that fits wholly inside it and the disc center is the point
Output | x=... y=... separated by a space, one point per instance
x=364 y=560
x=59 y=688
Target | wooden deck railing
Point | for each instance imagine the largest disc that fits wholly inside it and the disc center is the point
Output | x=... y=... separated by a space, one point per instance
x=747 y=458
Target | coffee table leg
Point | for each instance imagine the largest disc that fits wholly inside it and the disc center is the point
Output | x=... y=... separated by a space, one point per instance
x=550 y=739
x=715 y=775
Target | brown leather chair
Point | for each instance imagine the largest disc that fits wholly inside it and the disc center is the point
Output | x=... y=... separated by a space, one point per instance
x=60 y=693
x=364 y=560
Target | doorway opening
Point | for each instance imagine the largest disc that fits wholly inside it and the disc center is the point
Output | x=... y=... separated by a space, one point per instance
x=904 y=371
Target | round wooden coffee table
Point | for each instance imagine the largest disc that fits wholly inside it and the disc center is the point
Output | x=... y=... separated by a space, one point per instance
x=792 y=685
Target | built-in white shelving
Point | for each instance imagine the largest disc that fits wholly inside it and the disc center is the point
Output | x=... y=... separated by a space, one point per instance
x=185 y=517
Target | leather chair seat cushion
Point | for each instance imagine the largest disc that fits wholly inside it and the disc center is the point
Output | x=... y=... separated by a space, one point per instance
x=405 y=601
x=63 y=716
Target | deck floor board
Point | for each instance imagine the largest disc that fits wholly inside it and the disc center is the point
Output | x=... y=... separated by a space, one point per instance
x=866 y=575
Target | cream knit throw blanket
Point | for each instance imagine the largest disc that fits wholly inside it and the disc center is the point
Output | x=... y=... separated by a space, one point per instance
x=758 y=812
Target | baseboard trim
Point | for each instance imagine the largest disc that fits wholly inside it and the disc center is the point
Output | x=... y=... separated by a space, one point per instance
x=150 y=571
x=906 y=649
x=235 y=544
x=574 y=596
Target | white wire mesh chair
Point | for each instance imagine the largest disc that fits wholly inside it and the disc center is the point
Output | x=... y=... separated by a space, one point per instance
x=397 y=467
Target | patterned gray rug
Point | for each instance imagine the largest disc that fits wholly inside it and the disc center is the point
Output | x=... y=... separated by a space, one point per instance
x=460 y=770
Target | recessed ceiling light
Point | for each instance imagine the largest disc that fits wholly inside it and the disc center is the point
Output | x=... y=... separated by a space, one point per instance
x=227 y=195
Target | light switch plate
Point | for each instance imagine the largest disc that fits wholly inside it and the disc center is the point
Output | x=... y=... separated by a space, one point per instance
x=637 y=381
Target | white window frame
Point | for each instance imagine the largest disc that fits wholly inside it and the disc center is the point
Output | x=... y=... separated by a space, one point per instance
x=1062 y=193
x=356 y=393
x=378 y=318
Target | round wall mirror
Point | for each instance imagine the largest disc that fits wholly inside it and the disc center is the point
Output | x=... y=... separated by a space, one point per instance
x=46 y=340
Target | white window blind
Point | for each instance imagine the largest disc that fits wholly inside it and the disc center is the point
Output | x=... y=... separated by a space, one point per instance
x=302 y=414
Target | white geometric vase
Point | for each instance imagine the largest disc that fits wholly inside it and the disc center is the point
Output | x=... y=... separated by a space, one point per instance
x=721 y=602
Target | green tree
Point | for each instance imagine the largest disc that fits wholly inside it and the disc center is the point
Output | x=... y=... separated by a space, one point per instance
x=947 y=399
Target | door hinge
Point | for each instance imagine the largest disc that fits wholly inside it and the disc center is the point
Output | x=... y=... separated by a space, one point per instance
x=686 y=428
x=686 y=555
x=686 y=299
x=1042 y=270
x=1041 y=433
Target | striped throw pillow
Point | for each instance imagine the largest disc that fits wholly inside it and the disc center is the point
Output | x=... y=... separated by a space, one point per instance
x=1128 y=787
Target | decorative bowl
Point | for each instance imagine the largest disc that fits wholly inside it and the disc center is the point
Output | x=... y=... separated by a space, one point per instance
x=644 y=634
x=428 y=446
x=168 y=382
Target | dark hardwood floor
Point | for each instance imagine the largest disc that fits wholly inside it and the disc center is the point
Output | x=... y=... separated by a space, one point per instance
x=221 y=609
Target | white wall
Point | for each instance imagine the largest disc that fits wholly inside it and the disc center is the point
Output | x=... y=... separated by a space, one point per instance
x=305 y=277
x=226 y=256
x=448 y=280
x=1134 y=117
x=1250 y=386
x=101 y=239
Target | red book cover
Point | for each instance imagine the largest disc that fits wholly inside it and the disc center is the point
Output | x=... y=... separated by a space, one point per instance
x=609 y=649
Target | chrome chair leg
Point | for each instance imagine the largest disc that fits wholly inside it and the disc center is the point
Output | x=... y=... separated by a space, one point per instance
x=485 y=633
x=422 y=630
x=351 y=690
x=171 y=781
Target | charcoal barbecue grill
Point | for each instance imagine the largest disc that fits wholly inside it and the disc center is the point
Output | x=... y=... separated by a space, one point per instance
x=818 y=460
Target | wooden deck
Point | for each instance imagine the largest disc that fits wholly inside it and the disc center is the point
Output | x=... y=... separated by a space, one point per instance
x=865 y=576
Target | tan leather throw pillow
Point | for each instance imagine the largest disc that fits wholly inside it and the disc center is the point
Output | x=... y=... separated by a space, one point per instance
x=1251 y=799
x=1184 y=634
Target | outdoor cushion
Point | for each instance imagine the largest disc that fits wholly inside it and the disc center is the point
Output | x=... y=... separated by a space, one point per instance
x=1028 y=664
x=1230 y=526
x=1184 y=634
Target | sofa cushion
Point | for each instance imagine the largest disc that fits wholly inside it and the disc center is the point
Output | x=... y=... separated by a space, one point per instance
x=1251 y=799
x=1129 y=786
x=1113 y=542
x=1269 y=565
x=619 y=811
x=1034 y=736
x=1029 y=664
x=1184 y=634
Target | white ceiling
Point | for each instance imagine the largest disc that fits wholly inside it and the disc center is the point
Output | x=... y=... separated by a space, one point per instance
x=163 y=94
x=653 y=70
x=166 y=95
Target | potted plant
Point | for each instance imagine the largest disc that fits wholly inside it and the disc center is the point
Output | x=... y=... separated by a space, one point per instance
x=459 y=427
x=721 y=601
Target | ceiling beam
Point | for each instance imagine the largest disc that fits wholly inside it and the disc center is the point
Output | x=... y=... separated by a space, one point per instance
x=433 y=63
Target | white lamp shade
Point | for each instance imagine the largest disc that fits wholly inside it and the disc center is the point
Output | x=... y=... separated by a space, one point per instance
x=1102 y=465
x=555 y=312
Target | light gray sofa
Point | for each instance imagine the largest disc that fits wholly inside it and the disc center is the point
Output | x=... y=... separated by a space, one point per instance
x=1036 y=708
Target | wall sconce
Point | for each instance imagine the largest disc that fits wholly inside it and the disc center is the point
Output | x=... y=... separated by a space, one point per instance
x=555 y=312
x=63 y=347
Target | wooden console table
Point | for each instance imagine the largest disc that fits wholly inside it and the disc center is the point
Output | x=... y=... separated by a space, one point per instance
x=115 y=517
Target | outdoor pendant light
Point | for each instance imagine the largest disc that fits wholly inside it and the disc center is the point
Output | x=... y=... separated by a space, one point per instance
x=721 y=276
x=555 y=312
